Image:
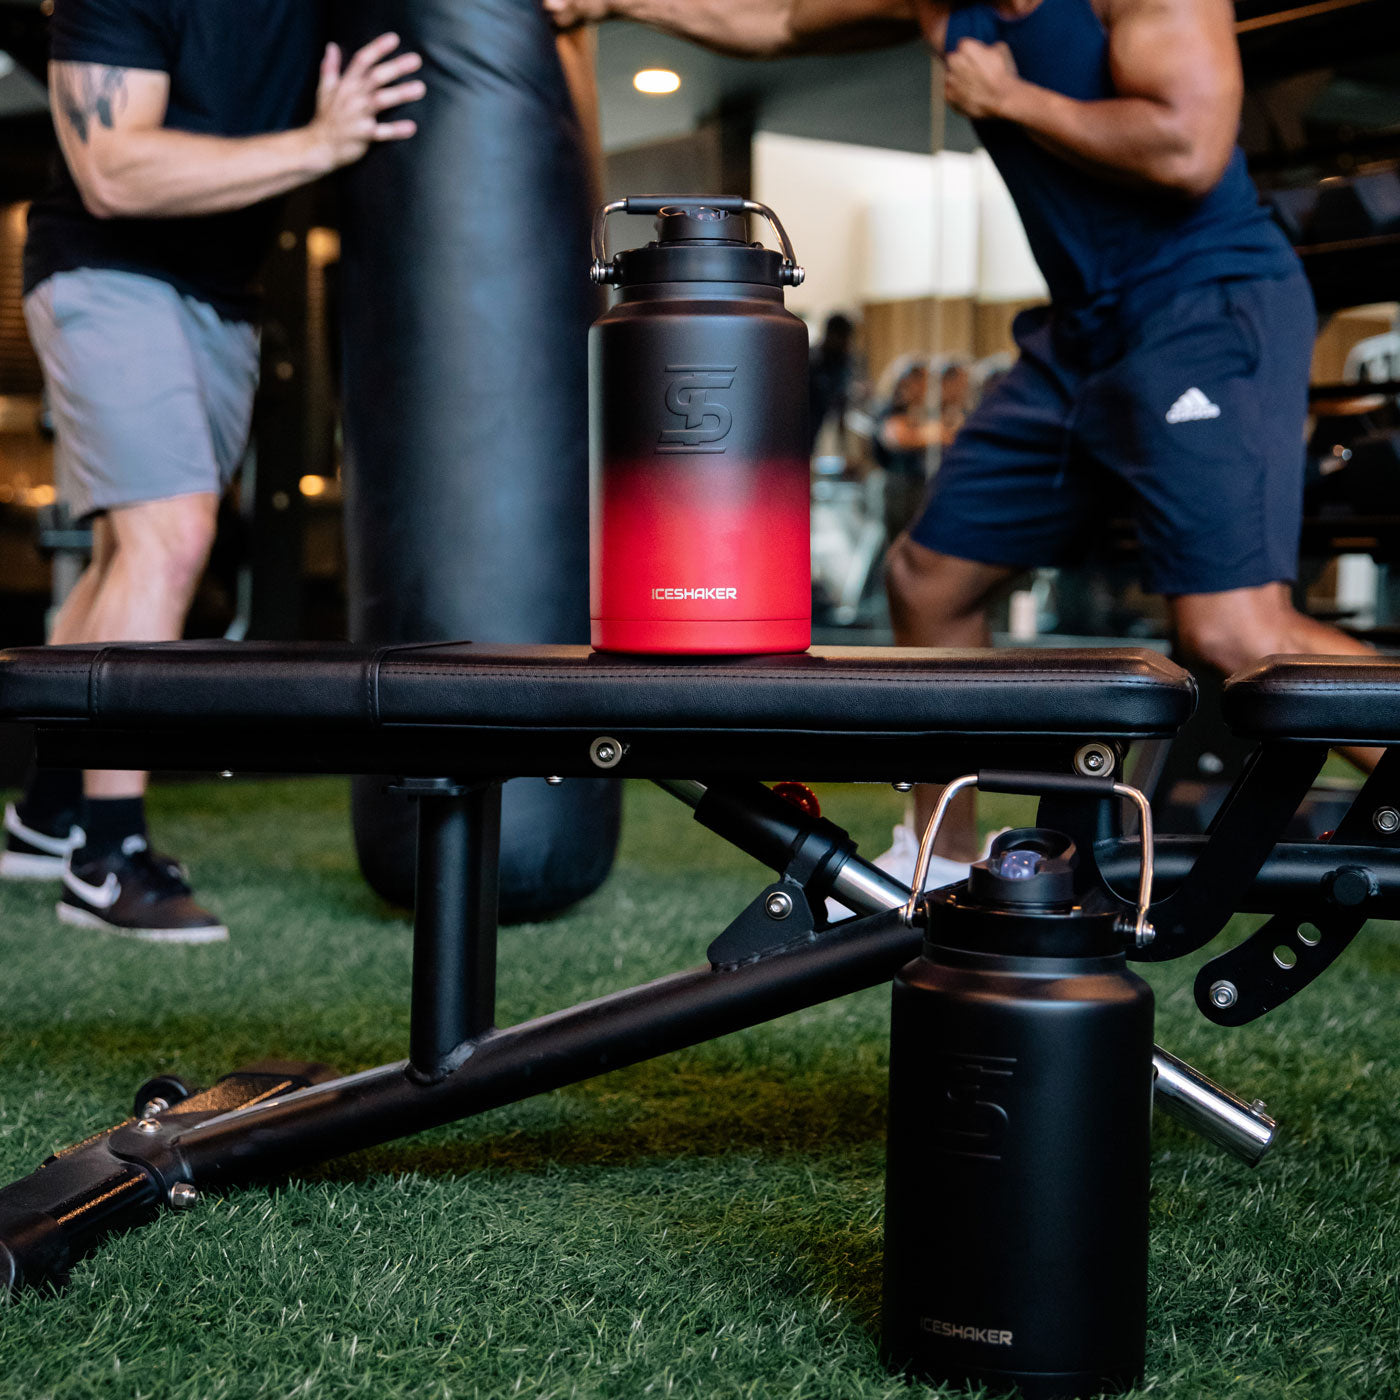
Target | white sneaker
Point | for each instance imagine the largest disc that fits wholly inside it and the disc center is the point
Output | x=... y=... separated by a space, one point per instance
x=902 y=859
x=31 y=854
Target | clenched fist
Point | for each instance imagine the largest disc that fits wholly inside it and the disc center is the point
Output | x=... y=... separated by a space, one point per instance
x=981 y=80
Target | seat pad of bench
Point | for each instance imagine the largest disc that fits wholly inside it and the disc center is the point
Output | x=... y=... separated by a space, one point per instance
x=1110 y=693
x=1323 y=699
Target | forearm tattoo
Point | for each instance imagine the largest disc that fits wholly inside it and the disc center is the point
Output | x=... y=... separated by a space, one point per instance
x=91 y=91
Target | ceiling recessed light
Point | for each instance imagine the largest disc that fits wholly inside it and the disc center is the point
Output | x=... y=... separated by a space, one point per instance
x=656 y=82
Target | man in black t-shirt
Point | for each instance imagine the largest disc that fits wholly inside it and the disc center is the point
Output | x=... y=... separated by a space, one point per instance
x=179 y=124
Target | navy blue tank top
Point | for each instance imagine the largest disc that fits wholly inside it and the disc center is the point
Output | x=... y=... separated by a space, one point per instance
x=1093 y=239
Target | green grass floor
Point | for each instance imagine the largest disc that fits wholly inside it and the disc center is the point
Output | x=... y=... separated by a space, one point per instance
x=705 y=1225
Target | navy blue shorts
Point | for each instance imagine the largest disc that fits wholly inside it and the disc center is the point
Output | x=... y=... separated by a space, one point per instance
x=1196 y=406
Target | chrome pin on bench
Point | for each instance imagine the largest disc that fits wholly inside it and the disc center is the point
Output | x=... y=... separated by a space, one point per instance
x=1243 y=1128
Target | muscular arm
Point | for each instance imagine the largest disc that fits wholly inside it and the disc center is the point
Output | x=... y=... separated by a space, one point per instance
x=126 y=164
x=1173 y=125
x=757 y=28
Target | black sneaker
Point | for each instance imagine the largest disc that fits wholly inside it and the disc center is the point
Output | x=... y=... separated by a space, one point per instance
x=31 y=854
x=138 y=894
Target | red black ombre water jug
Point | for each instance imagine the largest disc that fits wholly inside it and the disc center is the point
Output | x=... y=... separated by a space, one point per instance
x=698 y=438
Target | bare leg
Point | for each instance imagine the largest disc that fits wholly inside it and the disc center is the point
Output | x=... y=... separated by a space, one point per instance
x=71 y=620
x=937 y=600
x=147 y=560
x=1232 y=630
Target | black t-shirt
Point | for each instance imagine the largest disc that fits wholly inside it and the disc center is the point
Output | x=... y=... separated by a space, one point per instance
x=237 y=68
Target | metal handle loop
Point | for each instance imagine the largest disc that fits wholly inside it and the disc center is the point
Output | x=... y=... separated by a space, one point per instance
x=935 y=822
x=1141 y=929
x=655 y=203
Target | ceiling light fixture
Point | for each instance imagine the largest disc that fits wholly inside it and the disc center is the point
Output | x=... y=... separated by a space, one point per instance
x=656 y=82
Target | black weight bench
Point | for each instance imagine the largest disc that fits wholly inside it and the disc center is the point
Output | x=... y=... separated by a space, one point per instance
x=839 y=713
x=455 y=721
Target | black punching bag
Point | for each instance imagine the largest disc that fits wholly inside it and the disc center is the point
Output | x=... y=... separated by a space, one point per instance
x=466 y=307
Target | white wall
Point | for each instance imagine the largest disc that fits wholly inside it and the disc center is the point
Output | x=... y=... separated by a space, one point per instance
x=877 y=225
x=1006 y=269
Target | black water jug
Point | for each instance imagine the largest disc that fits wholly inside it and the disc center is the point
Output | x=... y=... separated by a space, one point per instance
x=1019 y=1136
x=698 y=438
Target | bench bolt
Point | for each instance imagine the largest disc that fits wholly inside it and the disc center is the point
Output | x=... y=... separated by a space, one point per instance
x=1094 y=761
x=605 y=752
x=147 y=1125
x=903 y=787
x=1386 y=821
x=183 y=1195
x=778 y=905
x=1224 y=994
x=1350 y=886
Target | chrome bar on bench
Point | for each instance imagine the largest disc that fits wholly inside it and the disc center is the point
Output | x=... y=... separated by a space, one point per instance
x=1216 y=1114
x=1198 y=1103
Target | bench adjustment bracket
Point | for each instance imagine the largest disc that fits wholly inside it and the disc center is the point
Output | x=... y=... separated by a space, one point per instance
x=779 y=919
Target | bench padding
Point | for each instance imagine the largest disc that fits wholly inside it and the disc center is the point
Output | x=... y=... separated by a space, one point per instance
x=1329 y=699
x=1105 y=693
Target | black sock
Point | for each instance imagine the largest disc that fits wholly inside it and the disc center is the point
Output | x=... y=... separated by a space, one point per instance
x=52 y=801
x=107 y=823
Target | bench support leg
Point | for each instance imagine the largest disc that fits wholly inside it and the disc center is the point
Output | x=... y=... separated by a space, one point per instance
x=454 y=923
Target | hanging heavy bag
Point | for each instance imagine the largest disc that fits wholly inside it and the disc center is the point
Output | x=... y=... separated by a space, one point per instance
x=466 y=308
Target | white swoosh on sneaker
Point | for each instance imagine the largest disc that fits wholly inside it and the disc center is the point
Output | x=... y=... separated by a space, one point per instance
x=50 y=845
x=102 y=896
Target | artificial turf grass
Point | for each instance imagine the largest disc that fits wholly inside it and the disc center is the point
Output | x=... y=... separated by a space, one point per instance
x=708 y=1224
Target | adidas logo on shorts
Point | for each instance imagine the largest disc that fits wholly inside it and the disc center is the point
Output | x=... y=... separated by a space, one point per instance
x=1192 y=407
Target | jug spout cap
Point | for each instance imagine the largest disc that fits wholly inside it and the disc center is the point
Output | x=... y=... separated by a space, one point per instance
x=701 y=223
x=716 y=224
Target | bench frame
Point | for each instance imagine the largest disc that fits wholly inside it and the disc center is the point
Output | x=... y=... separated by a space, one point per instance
x=266 y=1121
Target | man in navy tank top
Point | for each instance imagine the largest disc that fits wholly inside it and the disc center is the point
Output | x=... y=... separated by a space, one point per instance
x=1174 y=356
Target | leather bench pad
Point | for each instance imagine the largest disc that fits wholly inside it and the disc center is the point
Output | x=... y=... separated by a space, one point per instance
x=1095 y=692
x=1332 y=699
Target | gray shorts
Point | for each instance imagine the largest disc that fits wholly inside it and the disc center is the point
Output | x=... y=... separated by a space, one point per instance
x=151 y=391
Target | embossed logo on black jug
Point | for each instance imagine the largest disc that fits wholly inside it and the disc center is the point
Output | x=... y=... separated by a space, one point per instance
x=707 y=423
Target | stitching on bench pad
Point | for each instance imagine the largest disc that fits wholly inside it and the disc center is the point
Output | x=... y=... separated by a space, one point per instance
x=1073 y=677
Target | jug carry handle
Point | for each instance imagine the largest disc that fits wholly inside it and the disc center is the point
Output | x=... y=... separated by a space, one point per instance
x=603 y=272
x=1044 y=785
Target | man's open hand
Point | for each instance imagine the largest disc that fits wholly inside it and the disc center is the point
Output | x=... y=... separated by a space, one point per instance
x=349 y=102
x=981 y=79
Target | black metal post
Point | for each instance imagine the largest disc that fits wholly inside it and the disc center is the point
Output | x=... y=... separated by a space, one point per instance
x=454 y=922
x=378 y=1105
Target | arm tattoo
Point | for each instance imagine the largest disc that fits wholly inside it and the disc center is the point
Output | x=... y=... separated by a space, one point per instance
x=92 y=91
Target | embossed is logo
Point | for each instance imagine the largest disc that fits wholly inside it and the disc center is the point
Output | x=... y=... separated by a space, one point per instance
x=967 y=1109
x=705 y=423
